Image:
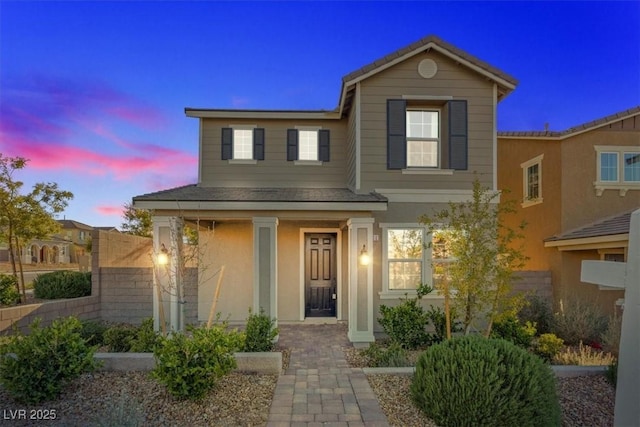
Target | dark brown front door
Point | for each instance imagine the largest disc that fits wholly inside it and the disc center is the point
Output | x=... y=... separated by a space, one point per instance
x=320 y=275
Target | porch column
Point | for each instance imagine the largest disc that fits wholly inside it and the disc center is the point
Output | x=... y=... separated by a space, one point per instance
x=265 y=265
x=360 y=280
x=168 y=292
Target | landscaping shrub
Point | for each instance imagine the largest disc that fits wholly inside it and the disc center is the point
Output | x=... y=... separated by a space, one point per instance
x=438 y=318
x=584 y=355
x=62 y=284
x=189 y=366
x=392 y=356
x=612 y=373
x=119 y=338
x=406 y=324
x=36 y=367
x=92 y=331
x=474 y=381
x=611 y=335
x=548 y=345
x=579 y=320
x=537 y=311
x=9 y=294
x=260 y=332
x=510 y=329
x=146 y=338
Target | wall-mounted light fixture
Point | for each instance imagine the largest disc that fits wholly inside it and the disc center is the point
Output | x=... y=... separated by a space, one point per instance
x=365 y=259
x=163 y=256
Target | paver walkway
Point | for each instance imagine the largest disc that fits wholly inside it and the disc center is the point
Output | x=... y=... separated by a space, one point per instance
x=319 y=388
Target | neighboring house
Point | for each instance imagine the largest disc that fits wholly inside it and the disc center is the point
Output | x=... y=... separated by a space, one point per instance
x=290 y=201
x=78 y=234
x=576 y=190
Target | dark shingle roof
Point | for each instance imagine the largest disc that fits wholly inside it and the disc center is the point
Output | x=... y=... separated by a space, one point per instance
x=193 y=193
x=69 y=223
x=618 y=224
x=575 y=129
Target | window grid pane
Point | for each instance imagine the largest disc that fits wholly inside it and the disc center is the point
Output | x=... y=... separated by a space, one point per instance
x=242 y=144
x=422 y=124
x=405 y=274
x=404 y=258
x=308 y=145
x=533 y=182
x=609 y=167
x=632 y=167
x=422 y=153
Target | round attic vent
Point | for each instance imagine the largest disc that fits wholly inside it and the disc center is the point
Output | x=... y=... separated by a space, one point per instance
x=427 y=68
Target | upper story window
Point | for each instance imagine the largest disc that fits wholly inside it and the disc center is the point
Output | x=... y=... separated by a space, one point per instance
x=308 y=145
x=243 y=143
x=427 y=139
x=618 y=168
x=423 y=138
x=532 y=181
x=81 y=236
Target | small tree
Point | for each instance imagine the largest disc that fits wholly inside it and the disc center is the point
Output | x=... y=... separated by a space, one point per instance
x=137 y=221
x=484 y=254
x=24 y=217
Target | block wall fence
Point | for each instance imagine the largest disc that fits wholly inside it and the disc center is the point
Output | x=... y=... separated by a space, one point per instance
x=122 y=287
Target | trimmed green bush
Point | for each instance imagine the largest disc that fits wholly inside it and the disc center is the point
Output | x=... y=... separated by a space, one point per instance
x=92 y=331
x=36 y=367
x=392 y=356
x=119 y=338
x=260 y=332
x=9 y=294
x=189 y=366
x=146 y=338
x=548 y=346
x=510 y=329
x=474 y=381
x=62 y=284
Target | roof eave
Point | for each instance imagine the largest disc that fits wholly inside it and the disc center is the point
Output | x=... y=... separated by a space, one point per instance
x=256 y=205
x=262 y=114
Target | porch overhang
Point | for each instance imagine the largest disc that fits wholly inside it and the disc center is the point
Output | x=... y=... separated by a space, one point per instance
x=590 y=243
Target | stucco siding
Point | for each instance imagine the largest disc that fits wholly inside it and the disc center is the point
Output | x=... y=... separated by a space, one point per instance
x=451 y=80
x=275 y=170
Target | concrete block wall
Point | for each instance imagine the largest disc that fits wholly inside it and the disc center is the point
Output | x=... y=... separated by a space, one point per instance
x=126 y=294
x=85 y=308
x=538 y=282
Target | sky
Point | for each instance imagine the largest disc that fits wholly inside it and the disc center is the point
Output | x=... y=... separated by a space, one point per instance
x=93 y=92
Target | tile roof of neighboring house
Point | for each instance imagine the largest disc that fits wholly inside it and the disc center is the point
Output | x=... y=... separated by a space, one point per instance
x=69 y=223
x=618 y=224
x=594 y=124
x=193 y=193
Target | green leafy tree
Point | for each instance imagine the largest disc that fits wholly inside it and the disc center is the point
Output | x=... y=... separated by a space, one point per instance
x=24 y=217
x=137 y=221
x=484 y=253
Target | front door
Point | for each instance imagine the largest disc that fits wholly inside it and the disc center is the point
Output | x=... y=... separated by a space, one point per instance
x=320 y=275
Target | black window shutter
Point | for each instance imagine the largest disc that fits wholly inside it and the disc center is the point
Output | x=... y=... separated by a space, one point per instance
x=258 y=144
x=227 y=143
x=396 y=134
x=458 y=135
x=292 y=144
x=323 y=145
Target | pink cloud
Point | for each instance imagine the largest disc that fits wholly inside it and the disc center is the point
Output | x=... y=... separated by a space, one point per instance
x=109 y=210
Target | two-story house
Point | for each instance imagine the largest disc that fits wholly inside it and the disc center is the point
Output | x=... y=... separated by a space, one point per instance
x=315 y=213
x=576 y=190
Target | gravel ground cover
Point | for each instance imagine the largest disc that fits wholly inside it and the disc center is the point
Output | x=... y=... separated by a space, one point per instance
x=585 y=401
x=133 y=398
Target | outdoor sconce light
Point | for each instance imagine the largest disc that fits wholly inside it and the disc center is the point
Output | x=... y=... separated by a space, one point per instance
x=365 y=259
x=163 y=256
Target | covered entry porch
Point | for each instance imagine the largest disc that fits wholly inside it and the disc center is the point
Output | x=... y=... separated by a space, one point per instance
x=292 y=259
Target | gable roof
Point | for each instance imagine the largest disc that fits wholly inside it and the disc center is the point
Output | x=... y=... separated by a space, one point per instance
x=69 y=223
x=506 y=83
x=575 y=130
x=615 y=225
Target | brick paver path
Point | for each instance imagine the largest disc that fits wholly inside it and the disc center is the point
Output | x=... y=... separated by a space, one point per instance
x=319 y=388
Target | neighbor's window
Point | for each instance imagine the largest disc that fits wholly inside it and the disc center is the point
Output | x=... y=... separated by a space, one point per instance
x=609 y=167
x=423 y=138
x=617 y=168
x=243 y=143
x=632 y=167
x=532 y=181
x=405 y=257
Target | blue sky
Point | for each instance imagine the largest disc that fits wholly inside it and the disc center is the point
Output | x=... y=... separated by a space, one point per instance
x=93 y=93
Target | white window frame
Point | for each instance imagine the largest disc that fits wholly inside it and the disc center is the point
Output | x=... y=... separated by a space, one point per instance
x=308 y=162
x=620 y=184
x=526 y=199
x=437 y=139
x=427 y=267
x=243 y=160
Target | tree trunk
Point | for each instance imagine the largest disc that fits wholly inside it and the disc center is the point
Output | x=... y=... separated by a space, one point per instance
x=23 y=293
